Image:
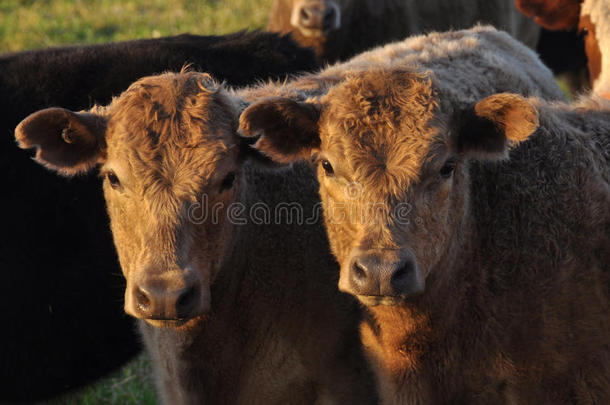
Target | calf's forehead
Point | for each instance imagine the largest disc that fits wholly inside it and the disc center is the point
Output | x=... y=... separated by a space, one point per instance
x=382 y=125
x=174 y=125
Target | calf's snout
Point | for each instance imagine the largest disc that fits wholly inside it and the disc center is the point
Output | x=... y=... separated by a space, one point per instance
x=372 y=274
x=166 y=299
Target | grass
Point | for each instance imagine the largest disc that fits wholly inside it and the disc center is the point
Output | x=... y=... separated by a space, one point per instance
x=33 y=24
x=132 y=384
x=30 y=24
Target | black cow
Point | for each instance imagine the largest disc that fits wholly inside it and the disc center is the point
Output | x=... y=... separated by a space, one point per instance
x=61 y=288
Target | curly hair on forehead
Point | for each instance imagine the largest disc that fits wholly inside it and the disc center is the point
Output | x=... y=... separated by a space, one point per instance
x=381 y=123
x=172 y=130
x=381 y=96
x=172 y=107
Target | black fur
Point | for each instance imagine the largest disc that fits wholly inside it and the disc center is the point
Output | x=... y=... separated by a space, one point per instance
x=478 y=134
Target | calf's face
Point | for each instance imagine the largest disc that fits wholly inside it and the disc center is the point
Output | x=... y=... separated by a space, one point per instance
x=163 y=165
x=392 y=170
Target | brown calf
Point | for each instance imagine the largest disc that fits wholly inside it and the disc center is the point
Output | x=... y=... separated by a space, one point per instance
x=486 y=278
x=339 y=29
x=235 y=306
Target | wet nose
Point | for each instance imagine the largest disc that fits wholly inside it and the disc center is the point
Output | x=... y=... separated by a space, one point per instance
x=318 y=16
x=153 y=299
x=371 y=275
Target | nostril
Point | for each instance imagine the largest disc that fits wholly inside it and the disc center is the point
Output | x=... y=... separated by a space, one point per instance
x=358 y=271
x=400 y=277
x=304 y=15
x=186 y=301
x=329 y=16
x=142 y=300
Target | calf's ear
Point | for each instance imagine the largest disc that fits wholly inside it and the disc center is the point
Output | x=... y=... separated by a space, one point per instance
x=288 y=129
x=65 y=141
x=489 y=129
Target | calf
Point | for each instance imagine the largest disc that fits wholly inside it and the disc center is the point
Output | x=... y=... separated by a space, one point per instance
x=233 y=307
x=61 y=284
x=590 y=17
x=339 y=29
x=482 y=259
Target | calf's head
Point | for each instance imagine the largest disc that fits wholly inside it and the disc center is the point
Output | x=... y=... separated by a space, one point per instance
x=160 y=156
x=393 y=171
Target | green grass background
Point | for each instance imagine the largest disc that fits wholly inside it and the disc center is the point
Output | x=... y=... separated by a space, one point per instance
x=30 y=24
x=34 y=24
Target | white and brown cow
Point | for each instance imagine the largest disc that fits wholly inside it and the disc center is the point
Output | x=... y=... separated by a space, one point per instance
x=339 y=29
x=592 y=19
x=236 y=298
x=473 y=226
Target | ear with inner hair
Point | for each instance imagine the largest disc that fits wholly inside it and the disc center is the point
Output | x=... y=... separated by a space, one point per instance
x=495 y=124
x=288 y=129
x=65 y=141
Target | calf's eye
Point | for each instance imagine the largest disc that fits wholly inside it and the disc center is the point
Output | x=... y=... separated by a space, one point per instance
x=113 y=180
x=448 y=168
x=227 y=182
x=328 y=168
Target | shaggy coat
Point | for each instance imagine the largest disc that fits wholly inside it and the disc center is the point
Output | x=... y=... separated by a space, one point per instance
x=358 y=25
x=592 y=19
x=258 y=319
x=486 y=278
x=61 y=285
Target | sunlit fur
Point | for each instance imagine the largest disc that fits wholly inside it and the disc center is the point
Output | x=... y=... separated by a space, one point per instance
x=369 y=23
x=487 y=51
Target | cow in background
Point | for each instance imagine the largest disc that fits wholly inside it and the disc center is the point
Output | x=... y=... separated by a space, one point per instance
x=589 y=17
x=60 y=286
x=339 y=29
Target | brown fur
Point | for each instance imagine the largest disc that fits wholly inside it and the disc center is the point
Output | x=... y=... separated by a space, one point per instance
x=515 y=308
x=272 y=327
x=365 y=24
x=512 y=252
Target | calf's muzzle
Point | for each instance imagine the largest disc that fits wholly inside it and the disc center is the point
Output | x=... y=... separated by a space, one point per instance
x=371 y=274
x=168 y=299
